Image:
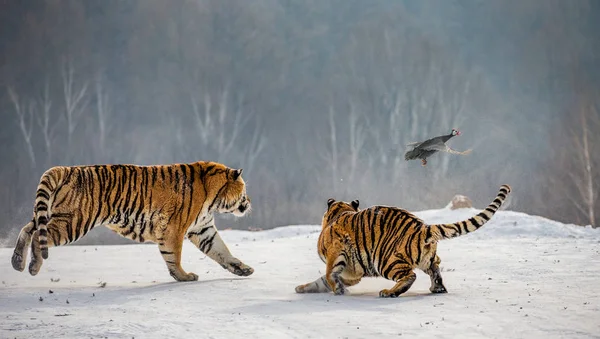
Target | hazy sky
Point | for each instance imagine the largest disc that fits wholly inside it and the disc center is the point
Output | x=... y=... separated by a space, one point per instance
x=314 y=99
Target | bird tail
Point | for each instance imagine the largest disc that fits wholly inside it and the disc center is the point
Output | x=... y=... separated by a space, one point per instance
x=450 y=150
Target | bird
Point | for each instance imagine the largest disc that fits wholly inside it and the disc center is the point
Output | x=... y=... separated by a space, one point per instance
x=424 y=149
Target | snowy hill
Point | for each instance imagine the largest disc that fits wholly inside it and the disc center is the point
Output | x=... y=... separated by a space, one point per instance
x=519 y=276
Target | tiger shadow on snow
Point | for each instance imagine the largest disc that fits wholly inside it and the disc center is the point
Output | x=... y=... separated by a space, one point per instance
x=90 y=294
x=321 y=302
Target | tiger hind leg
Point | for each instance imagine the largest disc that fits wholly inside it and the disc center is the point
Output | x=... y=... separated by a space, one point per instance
x=207 y=239
x=404 y=277
x=56 y=232
x=37 y=258
x=36 y=255
x=437 y=284
x=170 y=250
x=19 y=256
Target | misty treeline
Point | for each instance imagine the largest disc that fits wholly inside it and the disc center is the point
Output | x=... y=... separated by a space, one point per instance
x=314 y=99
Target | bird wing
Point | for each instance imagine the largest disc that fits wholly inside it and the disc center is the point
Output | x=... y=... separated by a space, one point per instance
x=442 y=147
x=415 y=144
x=432 y=144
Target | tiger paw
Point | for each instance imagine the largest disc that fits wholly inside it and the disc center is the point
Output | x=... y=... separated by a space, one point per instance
x=339 y=290
x=387 y=294
x=17 y=262
x=438 y=289
x=301 y=289
x=239 y=268
x=186 y=277
x=191 y=277
x=34 y=266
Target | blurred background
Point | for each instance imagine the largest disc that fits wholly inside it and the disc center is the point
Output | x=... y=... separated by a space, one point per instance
x=312 y=98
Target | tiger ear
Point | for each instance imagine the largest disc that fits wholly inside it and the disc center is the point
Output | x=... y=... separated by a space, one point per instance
x=355 y=204
x=236 y=173
x=330 y=201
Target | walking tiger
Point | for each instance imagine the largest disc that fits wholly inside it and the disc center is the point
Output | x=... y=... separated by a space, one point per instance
x=384 y=241
x=161 y=204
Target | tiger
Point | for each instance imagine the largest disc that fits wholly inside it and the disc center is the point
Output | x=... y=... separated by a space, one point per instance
x=384 y=241
x=162 y=204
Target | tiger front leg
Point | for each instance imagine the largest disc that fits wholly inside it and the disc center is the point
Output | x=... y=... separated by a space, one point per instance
x=205 y=237
x=336 y=263
x=322 y=286
x=318 y=286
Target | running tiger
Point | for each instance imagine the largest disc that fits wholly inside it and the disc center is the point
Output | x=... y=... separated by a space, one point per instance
x=161 y=204
x=384 y=241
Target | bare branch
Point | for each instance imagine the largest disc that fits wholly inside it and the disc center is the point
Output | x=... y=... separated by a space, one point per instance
x=44 y=122
x=102 y=111
x=74 y=98
x=25 y=121
x=255 y=147
x=333 y=145
x=357 y=139
x=203 y=121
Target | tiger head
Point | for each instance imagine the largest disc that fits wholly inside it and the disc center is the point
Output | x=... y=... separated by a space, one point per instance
x=233 y=197
x=336 y=208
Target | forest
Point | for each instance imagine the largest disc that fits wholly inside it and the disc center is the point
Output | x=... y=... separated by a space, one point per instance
x=314 y=99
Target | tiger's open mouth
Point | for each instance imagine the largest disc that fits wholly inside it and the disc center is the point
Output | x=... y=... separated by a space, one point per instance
x=242 y=208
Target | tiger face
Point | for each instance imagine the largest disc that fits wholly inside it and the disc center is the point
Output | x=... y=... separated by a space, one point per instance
x=234 y=198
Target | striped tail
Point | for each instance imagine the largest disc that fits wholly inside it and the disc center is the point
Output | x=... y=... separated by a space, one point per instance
x=42 y=204
x=446 y=231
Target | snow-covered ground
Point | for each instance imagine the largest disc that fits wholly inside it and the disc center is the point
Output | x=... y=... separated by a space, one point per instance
x=518 y=277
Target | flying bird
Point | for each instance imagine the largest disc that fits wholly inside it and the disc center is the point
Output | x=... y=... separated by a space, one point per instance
x=424 y=149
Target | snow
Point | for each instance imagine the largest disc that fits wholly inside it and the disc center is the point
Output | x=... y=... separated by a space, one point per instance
x=519 y=276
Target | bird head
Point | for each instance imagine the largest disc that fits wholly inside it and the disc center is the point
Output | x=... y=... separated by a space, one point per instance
x=455 y=132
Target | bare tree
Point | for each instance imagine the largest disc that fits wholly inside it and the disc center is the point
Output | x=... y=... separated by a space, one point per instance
x=75 y=99
x=358 y=138
x=46 y=122
x=103 y=112
x=585 y=162
x=330 y=155
x=25 y=118
x=228 y=127
x=255 y=147
x=202 y=120
x=223 y=135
